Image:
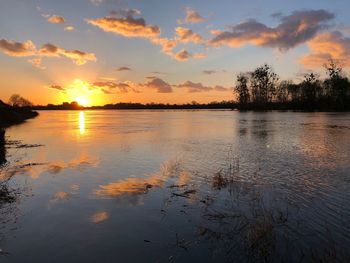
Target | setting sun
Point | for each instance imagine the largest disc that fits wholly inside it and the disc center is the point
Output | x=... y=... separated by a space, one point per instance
x=82 y=101
x=82 y=92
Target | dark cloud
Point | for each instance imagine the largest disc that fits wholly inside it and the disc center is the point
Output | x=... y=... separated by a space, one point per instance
x=209 y=72
x=17 y=49
x=293 y=30
x=110 y=87
x=125 y=12
x=57 y=87
x=159 y=85
x=124 y=69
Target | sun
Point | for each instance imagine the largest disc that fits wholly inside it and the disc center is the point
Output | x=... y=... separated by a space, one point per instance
x=82 y=101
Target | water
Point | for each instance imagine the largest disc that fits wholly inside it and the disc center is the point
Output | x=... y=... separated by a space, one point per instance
x=178 y=186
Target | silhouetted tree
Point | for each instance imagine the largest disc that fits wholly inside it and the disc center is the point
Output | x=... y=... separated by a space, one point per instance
x=18 y=101
x=241 y=89
x=263 y=84
x=311 y=89
x=336 y=85
x=282 y=91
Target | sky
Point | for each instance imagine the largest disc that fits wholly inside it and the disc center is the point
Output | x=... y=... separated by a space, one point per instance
x=108 y=51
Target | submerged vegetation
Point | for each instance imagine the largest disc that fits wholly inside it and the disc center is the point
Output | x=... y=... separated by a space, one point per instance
x=262 y=90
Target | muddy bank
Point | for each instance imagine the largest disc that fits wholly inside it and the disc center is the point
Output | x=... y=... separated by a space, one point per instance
x=2 y=147
x=14 y=115
x=10 y=116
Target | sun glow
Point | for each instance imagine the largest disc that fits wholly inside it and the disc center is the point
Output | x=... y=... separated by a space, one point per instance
x=82 y=101
x=81 y=92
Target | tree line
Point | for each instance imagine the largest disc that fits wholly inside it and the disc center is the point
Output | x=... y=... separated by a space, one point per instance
x=262 y=89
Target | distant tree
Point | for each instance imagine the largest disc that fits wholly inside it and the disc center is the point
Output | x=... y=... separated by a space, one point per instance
x=241 y=89
x=311 y=89
x=282 y=90
x=294 y=92
x=18 y=101
x=263 y=84
x=336 y=84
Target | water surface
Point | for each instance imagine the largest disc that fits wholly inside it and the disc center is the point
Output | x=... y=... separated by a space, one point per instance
x=178 y=186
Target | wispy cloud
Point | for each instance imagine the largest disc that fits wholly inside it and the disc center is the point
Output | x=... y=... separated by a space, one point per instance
x=124 y=69
x=110 y=87
x=36 y=62
x=192 y=17
x=96 y=2
x=56 y=87
x=193 y=87
x=209 y=72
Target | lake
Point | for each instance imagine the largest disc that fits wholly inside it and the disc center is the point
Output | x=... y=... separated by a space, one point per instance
x=177 y=186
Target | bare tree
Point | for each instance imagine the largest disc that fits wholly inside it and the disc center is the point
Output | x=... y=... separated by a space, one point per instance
x=263 y=83
x=18 y=101
x=241 y=89
x=337 y=84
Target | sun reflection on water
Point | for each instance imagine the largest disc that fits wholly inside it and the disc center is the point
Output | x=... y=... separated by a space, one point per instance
x=82 y=122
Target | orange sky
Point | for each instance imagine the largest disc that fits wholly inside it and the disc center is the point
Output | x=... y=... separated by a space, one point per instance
x=99 y=52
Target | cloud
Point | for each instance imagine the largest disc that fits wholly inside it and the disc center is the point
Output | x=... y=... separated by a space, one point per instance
x=69 y=28
x=221 y=88
x=124 y=69
x=199 y=87
x=55 y=19
x=293 y=30
x=209 y=72
x=100 y=216
x=126 y=12
x=57 y=87
x=96 y=2
x=36 y=62
x=186 y=35
x=126 y=26
x=17 y=49
x=184 y=55
x=167 y=44
x=159 y=85
x=110 y=87
x=192 y=17
x=124 y=23
x=78 y=57
x=330 y=45
x=152 y=82
x=28 y=49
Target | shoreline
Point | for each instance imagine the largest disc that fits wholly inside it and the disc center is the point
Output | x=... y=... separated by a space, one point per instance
x=10 y=116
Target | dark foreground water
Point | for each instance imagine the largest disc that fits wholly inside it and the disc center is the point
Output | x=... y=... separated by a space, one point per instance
x=177 y=186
